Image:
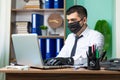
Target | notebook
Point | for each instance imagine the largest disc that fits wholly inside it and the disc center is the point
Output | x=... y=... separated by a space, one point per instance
x=27 y=51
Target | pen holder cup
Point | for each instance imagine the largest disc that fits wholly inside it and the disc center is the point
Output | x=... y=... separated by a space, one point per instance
x=93 y=64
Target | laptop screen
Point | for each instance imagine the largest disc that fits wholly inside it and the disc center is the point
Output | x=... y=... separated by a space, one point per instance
x=27 y=49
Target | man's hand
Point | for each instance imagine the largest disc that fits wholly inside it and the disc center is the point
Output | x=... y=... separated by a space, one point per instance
x=59 y=61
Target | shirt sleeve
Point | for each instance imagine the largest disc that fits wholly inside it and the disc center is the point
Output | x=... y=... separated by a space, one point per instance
x=65 y=51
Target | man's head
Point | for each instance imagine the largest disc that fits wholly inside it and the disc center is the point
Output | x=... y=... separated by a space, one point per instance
x=77 y=18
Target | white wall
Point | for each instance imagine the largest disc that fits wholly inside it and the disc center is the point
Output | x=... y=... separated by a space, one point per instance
x=4 y=31
x=5 y=25
x=117 y=32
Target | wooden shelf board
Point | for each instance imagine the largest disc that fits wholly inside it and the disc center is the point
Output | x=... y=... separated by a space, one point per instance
x=50 y=36
x=36 y=10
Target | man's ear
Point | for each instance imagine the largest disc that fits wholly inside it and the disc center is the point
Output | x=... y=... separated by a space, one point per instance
x=85 y=20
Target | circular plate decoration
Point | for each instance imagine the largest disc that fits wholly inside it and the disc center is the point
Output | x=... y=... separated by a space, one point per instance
x=55 y=20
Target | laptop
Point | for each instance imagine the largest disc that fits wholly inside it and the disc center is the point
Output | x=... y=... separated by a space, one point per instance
x=27 y=51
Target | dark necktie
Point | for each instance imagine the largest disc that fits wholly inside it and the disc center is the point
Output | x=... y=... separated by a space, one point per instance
x=75 y=44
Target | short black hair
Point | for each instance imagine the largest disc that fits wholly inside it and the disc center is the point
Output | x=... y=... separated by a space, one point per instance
x=79 y=9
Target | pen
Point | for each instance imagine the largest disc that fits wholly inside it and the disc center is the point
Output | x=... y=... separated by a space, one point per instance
x=93 y=48
x=102 y=55
x=90 y=51
x=97 y=53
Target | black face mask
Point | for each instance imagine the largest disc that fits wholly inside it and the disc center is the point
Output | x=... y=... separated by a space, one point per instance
x=74 y=27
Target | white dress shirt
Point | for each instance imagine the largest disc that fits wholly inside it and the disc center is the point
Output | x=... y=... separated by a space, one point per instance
x=90 y=37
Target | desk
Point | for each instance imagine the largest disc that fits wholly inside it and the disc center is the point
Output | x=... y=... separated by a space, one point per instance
x=60 y=74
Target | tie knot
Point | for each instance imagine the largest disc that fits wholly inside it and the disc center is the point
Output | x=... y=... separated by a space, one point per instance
x=77 y=37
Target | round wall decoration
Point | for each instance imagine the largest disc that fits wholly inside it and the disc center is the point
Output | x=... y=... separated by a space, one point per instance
x=55 y=20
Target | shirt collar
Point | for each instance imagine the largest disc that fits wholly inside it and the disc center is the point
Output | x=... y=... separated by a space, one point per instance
x=85 y=32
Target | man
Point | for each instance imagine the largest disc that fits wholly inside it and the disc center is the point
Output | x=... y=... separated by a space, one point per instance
x=77 y=23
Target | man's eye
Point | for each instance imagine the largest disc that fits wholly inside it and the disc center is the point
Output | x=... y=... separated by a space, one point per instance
x=73 y=20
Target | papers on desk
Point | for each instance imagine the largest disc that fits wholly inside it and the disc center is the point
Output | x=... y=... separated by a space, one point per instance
x=17 y=67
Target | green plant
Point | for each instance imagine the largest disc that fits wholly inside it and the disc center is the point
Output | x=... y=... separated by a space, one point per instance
x=43 y=27
x=103 y=27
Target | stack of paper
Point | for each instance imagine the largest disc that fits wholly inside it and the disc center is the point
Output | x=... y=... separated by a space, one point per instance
x=33 y=4
x=22 y=27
